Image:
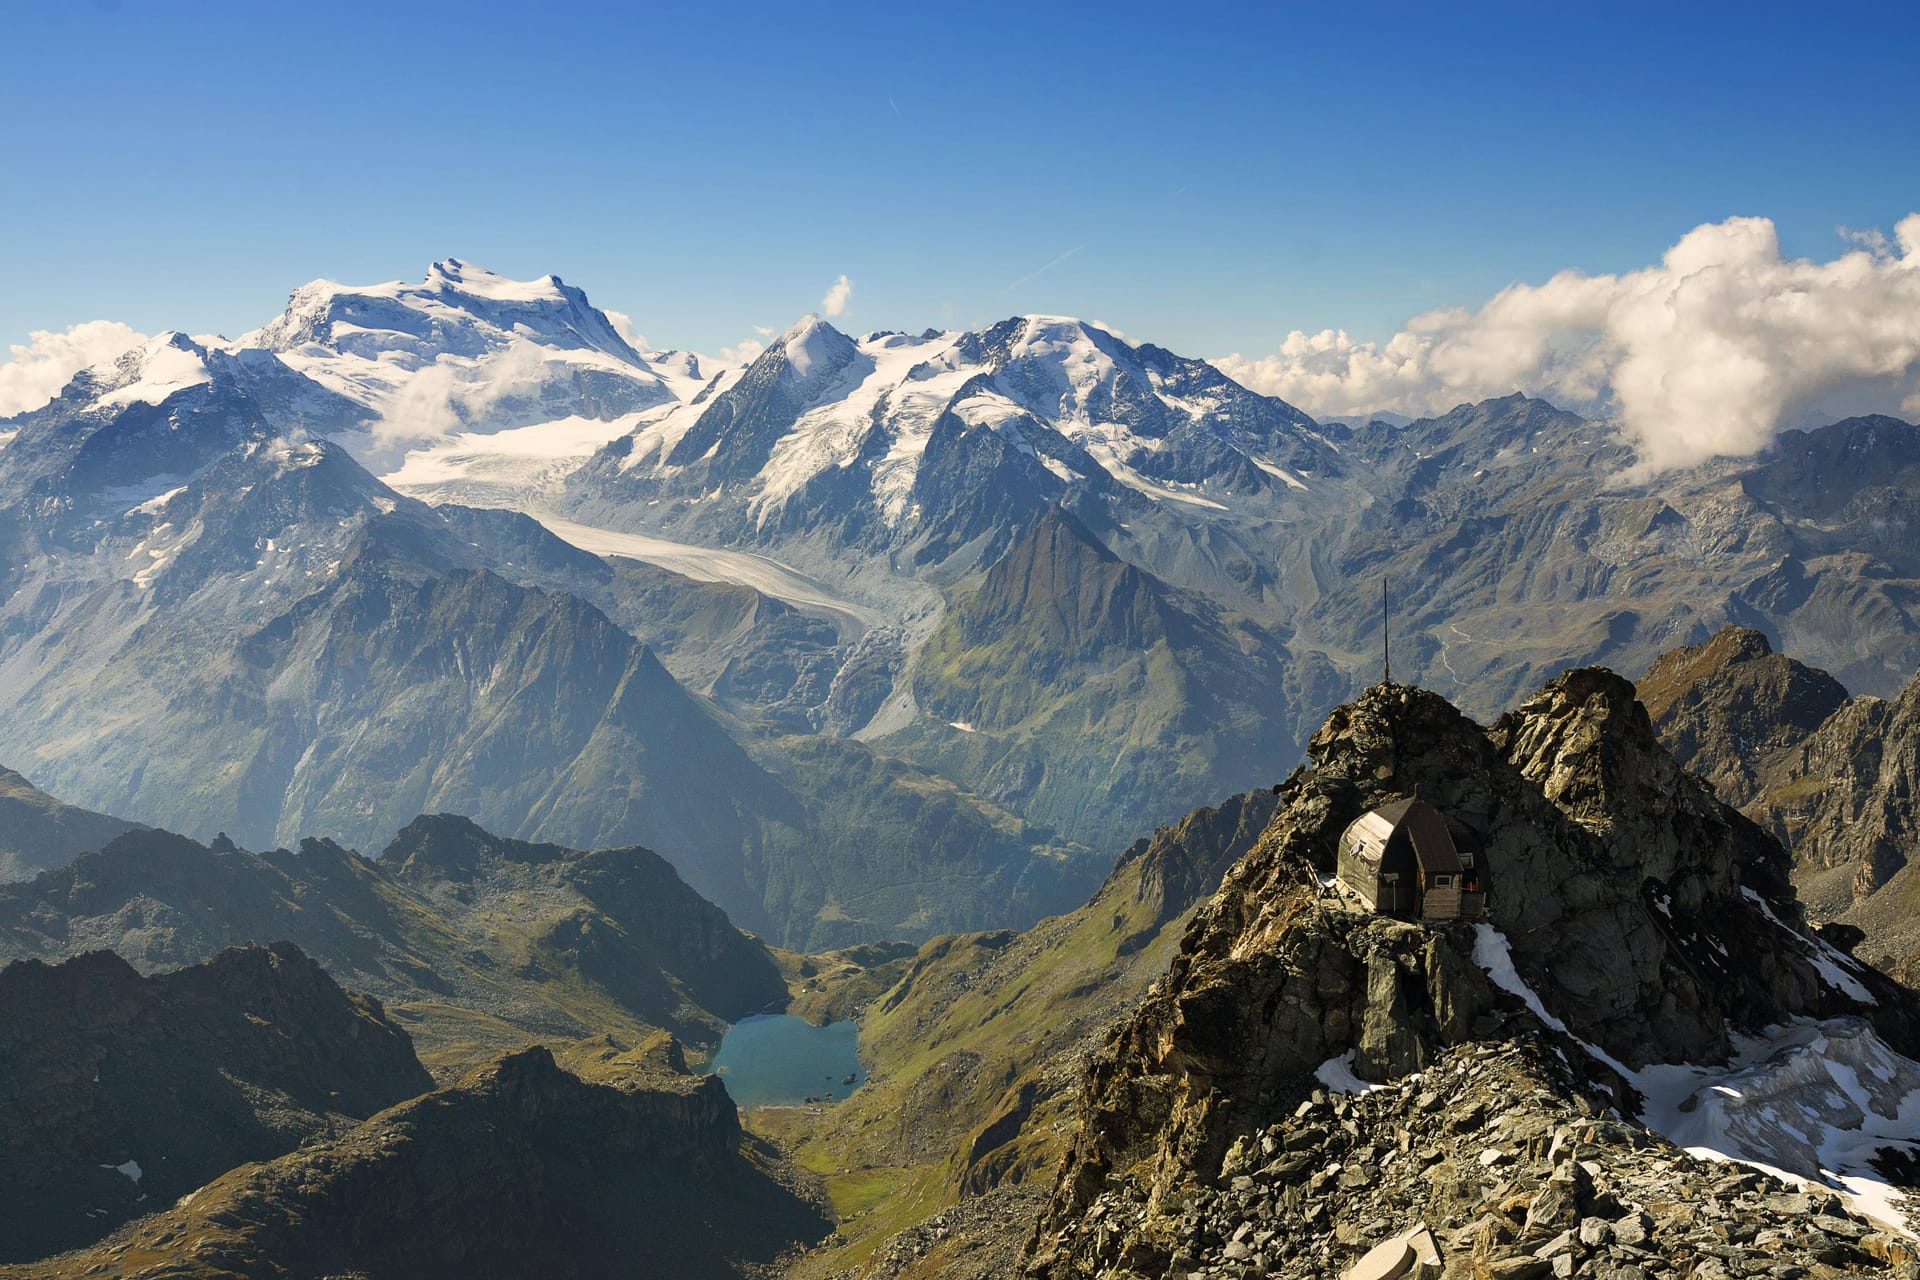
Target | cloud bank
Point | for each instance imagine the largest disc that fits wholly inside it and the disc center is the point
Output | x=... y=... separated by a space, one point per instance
x=41 y=366
x=1711 y=352
x=838 y=295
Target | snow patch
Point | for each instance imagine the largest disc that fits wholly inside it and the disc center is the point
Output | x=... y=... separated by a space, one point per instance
x=502 y=466
x=1280 y=473
x=166 y=365
x=130 y=1170
x=1337 y=1074
x=962 y=726
x=706 y=564
x=1830 y=962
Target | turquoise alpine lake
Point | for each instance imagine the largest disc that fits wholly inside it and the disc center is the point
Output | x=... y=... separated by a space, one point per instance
x=778 y=1060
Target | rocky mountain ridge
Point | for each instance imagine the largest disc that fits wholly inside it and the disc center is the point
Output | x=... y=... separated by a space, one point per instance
x=476 y=942
x=276 y=643
x=39 y=832
x=870 y=485
x=520 y=1168
x=119 y=1093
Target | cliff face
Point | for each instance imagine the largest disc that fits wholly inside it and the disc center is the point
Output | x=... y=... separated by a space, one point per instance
x=1646 y=915
x=1728 y=708
x=119 y=1093
x=520 y=1169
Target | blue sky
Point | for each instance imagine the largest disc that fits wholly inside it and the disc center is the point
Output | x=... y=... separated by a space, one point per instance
x=1215 y=176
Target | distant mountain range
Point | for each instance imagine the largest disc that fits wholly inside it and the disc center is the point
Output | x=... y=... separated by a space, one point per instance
x=871 y=636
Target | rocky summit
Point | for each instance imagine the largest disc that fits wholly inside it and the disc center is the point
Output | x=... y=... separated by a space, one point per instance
x=38 y=832
x=1311 y=1082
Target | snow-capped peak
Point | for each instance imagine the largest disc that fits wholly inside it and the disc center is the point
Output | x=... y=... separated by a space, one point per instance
x=813 y=344
x=456 y=276
x=1078 y=402
x=167 y=363
x=465 y=351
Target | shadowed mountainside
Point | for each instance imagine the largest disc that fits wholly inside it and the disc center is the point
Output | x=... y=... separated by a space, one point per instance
x=120 y=1093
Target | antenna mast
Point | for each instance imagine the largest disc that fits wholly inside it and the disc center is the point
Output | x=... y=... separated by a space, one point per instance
x=1386 y=647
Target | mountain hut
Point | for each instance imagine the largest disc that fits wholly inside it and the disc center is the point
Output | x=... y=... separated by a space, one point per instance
x=1402 y=860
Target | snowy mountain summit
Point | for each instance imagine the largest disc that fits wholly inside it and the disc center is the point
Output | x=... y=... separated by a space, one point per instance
x=465 y=349
x=936 y=439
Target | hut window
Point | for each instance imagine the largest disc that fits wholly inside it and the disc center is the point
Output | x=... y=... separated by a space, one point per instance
x=1442 y=882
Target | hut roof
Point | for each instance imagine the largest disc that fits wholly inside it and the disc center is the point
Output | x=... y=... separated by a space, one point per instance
x=1426 y=830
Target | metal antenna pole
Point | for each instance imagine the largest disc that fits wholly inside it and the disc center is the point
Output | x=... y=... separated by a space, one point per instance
x=1386 y=646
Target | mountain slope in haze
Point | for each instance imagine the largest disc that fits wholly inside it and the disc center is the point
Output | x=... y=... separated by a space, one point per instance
x=518 y=1169
x=1512 y=546
x=1077 y=688
x=476 y=942
x=766 y=660
x=38 y=832
x=198 y=491
x=120 y=1093
x=1633 y=921
x=280 y=644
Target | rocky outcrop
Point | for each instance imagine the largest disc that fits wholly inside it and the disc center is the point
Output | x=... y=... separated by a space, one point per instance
x=520 y=1169
x=1493 y=1166
x=1850 y=790
x=1650 y=917
x=119 y=1093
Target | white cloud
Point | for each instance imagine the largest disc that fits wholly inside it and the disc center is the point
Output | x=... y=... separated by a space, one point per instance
x=1710 y=352
x=837 y=297
x=44 y=364
x=746 y=351
x=450 y=396
x=623 y=325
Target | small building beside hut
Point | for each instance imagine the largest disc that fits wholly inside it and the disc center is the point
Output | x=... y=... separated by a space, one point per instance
x=1402 y=860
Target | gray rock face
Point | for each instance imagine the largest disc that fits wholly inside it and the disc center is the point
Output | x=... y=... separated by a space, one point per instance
x=1727 y=709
